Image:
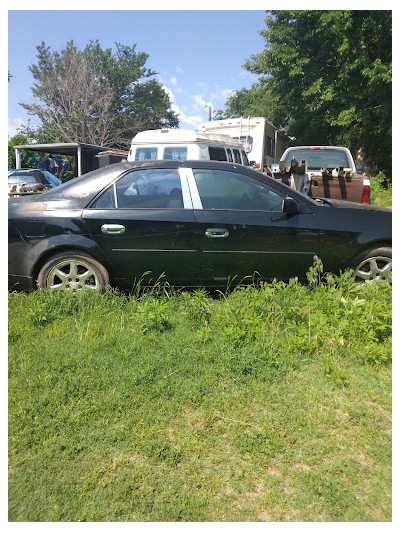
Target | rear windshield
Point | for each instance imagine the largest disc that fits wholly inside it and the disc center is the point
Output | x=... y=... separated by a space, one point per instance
x=320 y=158
x=20 y=177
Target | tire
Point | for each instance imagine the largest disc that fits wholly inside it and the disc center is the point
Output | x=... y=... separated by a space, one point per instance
x=72 y=271
x=374 y=265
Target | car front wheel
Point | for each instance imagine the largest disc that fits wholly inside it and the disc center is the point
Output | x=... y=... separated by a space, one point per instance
x=72 y=271
x=375 y=265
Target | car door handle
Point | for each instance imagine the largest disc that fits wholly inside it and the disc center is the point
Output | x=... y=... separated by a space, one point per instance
x=112 y=229
x=217 y=233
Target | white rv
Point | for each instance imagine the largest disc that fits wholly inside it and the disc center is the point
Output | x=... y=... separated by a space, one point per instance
x=263 y=143
x=186 y=144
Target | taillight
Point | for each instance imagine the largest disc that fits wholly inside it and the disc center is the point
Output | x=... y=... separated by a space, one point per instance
x=365 y=194
x=257 y=165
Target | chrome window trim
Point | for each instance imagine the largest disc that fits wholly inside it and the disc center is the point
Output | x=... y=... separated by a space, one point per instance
x=194 y=192
x=115 y=195
x=186 y=193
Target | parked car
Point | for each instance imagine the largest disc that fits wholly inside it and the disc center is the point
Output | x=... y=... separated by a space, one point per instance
x=199 y=223
x=31 y=180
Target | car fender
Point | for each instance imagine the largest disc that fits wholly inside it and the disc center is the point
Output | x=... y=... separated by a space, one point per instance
x=43 y=248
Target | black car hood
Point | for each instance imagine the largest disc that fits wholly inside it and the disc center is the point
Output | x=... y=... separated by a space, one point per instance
x=353 y=205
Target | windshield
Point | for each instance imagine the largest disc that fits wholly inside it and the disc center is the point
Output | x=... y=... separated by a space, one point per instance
x=319 y=158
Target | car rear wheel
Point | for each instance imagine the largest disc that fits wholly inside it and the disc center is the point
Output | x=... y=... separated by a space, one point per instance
x=72 y=271
x=375 y=265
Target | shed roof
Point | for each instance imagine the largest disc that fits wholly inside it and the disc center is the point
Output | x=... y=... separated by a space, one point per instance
x=62 y=148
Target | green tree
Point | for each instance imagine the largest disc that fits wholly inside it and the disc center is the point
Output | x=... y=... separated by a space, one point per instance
x=253 y=102
x=18 y=139
x=96 y=96
x=325 y=76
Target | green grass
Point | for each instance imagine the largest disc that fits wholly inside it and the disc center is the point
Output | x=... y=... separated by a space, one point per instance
x=381 y=191
x=266 y=404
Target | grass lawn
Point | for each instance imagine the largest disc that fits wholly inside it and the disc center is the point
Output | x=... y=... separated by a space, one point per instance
x=266 y=404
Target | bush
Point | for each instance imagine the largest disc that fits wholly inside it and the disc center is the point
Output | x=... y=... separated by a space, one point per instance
x=381 y=191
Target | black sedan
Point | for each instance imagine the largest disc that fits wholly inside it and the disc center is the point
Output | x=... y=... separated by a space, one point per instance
x=193 y=223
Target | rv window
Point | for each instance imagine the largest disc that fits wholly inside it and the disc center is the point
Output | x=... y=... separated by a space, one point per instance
x=146 y=154
x=175 y=152
x=269 y=146
x=230 y=157
x=236 y=155
x=216 y=153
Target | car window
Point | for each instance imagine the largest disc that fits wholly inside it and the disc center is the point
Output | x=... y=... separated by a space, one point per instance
x=175 y=152
x=152 y=188
x=217 y=153
x=220 y=189
x=230 y=157
x=146 y=154
x=106 y=200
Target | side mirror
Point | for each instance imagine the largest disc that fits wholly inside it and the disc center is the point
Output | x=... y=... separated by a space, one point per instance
x=252 y=163
x=290 y=206
x=359 y=168
x=275 y=167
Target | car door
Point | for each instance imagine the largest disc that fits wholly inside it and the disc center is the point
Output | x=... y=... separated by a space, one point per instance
x=144 y=222
x=243 y=231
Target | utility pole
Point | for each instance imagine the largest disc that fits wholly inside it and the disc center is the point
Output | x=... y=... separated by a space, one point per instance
x=206 y=106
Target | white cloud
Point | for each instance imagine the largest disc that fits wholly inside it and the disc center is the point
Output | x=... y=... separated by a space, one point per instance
x=191 y=121
x=178 y=69
x=14 y=124
x=173 y=80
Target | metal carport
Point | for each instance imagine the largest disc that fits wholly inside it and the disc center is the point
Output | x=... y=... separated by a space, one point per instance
x=85 y=154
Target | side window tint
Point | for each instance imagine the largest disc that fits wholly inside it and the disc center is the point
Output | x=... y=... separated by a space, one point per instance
x=175 y=152
x=106 y=200
x=158 y=188
x=220 y=189
x=146 y=154
x=217 y=153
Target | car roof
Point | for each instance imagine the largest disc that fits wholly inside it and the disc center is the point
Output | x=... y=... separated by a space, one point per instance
x=78 y=192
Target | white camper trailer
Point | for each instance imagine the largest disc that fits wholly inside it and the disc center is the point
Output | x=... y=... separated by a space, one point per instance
x=186 y=144
x=263 y=143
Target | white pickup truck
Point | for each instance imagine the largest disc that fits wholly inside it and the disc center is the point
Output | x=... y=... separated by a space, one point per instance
x=328 y=172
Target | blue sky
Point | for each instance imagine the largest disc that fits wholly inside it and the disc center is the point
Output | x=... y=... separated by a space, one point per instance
x=198 y=54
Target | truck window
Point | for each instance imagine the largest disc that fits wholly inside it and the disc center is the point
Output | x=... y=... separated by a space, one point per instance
x=319 y=158
x=146 y=154
x=244 y=158
x=217 y=153
x=175 y=152
x=230 y=156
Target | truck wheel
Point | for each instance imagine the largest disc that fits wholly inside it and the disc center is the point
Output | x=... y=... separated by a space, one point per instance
x=72 y=271
x=374 y=265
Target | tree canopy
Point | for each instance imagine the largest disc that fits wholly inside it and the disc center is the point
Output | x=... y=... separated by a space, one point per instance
x=326 y=77
x=96 y=96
